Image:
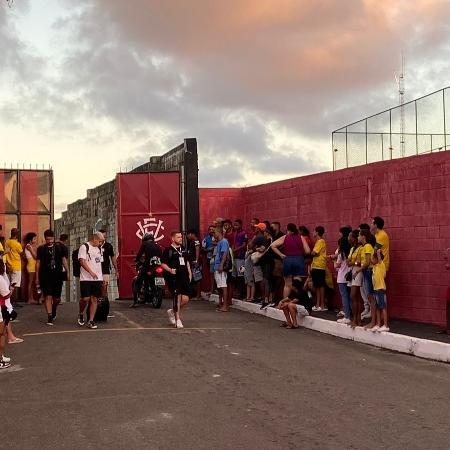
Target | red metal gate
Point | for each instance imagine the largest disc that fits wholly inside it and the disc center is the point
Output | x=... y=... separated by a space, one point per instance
x=146 y=202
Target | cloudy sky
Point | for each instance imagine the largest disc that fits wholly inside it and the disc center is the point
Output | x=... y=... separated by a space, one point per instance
x=90 y=86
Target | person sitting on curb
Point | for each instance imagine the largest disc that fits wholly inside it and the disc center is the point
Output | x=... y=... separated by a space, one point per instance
x=297 y=296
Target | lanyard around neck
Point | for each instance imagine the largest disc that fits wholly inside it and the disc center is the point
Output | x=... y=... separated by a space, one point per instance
x=177 y=250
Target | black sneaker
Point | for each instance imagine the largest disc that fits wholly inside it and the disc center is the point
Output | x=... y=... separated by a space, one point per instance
x=264 y=305
x=49 y=322
x=81 y=320
x=92 y=325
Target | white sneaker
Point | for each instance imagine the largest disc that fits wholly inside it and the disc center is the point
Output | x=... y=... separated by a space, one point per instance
x=383 y=329
x=171 y=315
x=366 y=315
x=5 y=359
x=315 y=308
x=179 y=324
x=324 y=308
x=340 y=315
x=375 y=328
x=344 y=321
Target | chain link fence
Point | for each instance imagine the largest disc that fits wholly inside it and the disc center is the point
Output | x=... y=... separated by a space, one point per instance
x=417 y=127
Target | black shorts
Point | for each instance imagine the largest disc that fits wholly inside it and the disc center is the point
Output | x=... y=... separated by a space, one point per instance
x=91 y=289
x=180 y=286
x=5 y=316
x=52 y=287
x=318 y=277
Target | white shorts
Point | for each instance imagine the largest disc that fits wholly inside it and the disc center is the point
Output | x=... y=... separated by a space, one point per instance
x=221 y=279
x=106 y=277
x=357 y=281
x=15 y=277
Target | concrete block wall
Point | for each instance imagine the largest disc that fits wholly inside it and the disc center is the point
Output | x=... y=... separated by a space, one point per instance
x=412 y=195
x=78 y=222
x=225 y=203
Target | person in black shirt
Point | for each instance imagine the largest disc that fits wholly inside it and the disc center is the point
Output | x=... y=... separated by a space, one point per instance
x=193 y=248
x=298 y=296
x=50 y=261
x=149 y=248
x=175 y=261
x=108 y=257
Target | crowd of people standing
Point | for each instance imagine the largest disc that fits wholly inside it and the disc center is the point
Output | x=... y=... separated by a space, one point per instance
x=276 y=269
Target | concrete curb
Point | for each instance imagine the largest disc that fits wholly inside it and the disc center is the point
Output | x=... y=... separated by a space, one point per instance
x=423 y=348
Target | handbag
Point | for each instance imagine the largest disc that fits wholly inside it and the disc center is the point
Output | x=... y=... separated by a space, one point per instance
x=228 y=263
x=349 y=276
x=197 y=273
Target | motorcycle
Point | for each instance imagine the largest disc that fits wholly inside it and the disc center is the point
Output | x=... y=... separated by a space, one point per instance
x=152 y=288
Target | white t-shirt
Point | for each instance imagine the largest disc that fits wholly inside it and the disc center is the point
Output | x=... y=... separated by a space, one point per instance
x=94 y=259
x=343 y=269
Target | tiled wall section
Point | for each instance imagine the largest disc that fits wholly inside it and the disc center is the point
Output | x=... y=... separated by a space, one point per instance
x=78 y=222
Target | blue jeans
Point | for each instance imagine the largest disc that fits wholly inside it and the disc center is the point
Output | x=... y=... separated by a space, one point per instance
x=346 y=303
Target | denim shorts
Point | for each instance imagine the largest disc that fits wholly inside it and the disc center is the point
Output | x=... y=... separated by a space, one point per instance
x=380 y=297
x=368 y=281
x=294 y=266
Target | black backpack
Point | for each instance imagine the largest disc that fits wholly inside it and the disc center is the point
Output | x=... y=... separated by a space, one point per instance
x=76 y=267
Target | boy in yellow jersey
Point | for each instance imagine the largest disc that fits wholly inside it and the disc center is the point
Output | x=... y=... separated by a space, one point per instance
x=13 y=251
x=318 y=268
x=379 y=289
x=382 y=238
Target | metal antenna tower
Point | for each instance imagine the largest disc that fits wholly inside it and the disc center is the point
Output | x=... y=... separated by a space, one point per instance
x=401 y=101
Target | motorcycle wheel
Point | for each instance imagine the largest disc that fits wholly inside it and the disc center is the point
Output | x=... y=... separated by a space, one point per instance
x=140 y=294
x=157 y=298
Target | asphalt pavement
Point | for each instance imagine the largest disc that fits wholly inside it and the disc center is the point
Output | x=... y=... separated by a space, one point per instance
x=226 y=381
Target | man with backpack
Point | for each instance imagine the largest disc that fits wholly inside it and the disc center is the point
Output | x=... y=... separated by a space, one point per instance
x=51 y=259
x=91 y=277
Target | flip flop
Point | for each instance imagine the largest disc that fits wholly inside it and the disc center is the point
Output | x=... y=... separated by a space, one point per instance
x=283 y=325
x=15 y=341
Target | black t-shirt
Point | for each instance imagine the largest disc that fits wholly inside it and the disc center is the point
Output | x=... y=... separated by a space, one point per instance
x=191 y=247
x=171 y=256
x=267 y=256
x=108 y=253
x=51 y=258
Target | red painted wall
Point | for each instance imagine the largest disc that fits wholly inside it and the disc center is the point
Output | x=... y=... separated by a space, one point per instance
x=411 y=194
x=222 y=202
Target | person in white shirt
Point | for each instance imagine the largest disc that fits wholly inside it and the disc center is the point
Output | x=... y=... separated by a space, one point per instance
x=5 y=294
x=91 y=277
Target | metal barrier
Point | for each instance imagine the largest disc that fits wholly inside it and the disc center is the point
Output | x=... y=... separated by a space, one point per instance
x=414 y=128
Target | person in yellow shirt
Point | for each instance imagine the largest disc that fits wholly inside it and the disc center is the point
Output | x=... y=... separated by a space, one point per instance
x=30 y=254
x=13 y=252
x=366 y=239
x=382 y=238
x=379 y=286
x=318 y=268
x=355 y=282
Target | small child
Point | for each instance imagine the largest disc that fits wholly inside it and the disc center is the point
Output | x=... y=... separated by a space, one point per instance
x=379 y=286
